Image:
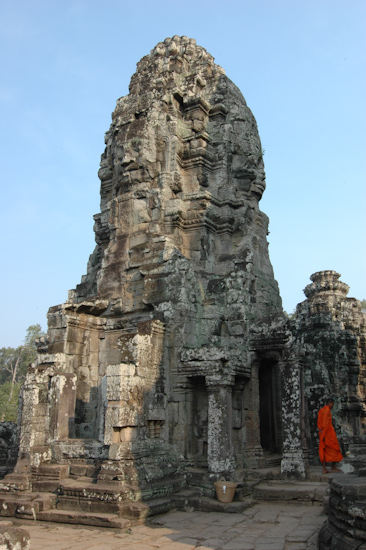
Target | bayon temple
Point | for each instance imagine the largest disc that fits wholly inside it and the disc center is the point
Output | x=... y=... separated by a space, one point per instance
x=172 y=364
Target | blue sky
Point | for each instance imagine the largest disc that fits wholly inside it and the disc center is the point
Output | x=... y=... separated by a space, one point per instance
x=300 y=65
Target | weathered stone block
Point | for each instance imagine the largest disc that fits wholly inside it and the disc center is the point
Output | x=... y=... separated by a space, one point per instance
x=14 y=538
x=180 y=432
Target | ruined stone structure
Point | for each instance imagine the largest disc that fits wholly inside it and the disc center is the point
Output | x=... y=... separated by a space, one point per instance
x=345 y=528
x=330 y=331
x=9 y=446
x=172 y=362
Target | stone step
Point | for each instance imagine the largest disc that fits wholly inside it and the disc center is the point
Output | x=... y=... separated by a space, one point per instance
x=318 y=476
x=135 y=510
x=47 y=501
x=128 y=509
x=190 y=502
x=314 y=473
x=15 y=482
x=26 y=505
x=50 y=471
x=84 y=470
x=101 y=491
x=262 y=473
x=57 y=485
x=274 y=463
x=273 y=460
x=46 y=486
x=84 y=518
x=287 y=491
x=138 y=511
x=199 y=478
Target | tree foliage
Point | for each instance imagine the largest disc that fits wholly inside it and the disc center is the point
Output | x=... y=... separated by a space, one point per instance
x=290 y=315
x=14 y=363
x=9 y=406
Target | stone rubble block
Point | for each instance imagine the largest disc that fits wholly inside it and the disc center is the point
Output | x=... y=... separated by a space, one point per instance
x=13 y=538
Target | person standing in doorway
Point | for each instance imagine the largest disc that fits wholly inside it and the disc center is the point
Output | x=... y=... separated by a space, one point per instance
x=329 y=450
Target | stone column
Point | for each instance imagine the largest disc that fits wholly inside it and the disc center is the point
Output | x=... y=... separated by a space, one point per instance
x=220 y=424
x=293 y=461
x=62 y=406
x=29 y=400
x=253 y=454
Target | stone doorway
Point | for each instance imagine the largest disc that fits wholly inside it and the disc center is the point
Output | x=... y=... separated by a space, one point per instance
x=270 y=416
x=86 y=416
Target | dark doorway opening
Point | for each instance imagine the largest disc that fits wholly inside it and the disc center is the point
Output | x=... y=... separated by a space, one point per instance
x=269 y=408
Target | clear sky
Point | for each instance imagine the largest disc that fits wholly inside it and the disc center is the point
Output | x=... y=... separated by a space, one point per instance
x=300 y=65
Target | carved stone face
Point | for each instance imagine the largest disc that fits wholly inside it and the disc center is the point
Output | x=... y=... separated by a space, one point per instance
x=248 y=174
x=186 y=121
x=183 y=165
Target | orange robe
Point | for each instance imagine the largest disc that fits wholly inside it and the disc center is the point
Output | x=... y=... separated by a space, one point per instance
x=329 y=450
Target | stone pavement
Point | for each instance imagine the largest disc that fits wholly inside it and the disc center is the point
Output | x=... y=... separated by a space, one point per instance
x=265 y=526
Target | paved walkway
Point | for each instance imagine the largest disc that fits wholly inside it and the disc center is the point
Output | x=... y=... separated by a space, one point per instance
x=262 y=527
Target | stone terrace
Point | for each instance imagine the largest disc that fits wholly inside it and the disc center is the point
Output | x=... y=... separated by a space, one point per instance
x=274 y=526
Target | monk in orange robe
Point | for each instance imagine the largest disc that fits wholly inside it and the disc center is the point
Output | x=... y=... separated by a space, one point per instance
x=329 y=450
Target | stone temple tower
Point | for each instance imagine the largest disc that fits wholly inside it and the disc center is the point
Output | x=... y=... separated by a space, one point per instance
x=330 y=331
x=173 y=350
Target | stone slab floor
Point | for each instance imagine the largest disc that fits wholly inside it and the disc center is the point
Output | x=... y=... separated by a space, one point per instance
x=263 y=527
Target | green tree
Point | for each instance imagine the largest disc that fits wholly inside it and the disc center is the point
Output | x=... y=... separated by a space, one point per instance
x=9 y=406
x=9 y=364
x=14 y=363
x=29 y=349
x=290 y=315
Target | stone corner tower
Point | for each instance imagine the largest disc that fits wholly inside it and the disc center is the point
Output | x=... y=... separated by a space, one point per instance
x=330 y=328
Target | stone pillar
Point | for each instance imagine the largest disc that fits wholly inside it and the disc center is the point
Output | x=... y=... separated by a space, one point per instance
x=102 y=406
x=253 y=454
x=220 y=424
x=62 y=406
x=293 y=460
x=30 y=399
x=120 y=380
